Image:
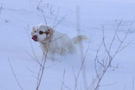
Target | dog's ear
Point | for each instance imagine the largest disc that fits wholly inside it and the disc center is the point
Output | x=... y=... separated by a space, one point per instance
x=51 y=30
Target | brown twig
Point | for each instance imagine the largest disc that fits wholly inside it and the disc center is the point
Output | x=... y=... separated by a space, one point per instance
x=60 y=21
x=110 y=56
x=83 y=56
x=14 y=75
x=56 y=17
x=63 y=80
x=32 y=48
x=42 y=11
x=42 y=67
x=1 y=9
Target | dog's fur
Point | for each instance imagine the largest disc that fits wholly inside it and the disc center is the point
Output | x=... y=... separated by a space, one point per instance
x=53 y=41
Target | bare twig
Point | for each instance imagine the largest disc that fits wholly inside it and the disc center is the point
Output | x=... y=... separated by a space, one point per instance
x=1 y=9
x=42 y=67
x=115 y=34
x=42 y=11
x=81 y=67
x=83 y=57
x=42 y=63
x=56 y=17
x=63 y=79
x=110 y=56
x=30 y=55
x=14 y=75
x=35 y=57
x=39 y=4
x=78 y=32
x=40 y=74
x=96 y=58
x=60 y=21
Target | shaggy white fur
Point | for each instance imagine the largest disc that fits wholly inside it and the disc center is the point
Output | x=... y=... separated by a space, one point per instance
x=52 y=41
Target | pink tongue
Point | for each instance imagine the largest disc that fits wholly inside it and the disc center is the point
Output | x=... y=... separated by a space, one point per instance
x=34 y=37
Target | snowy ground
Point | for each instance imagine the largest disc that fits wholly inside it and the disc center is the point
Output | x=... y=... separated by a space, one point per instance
x=17 y=18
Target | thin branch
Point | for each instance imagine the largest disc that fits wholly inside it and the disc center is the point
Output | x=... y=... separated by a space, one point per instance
x=32 y=48
x=111 y=57
x=14 y=75
x=39 y=4
x=41 y=71
x=95 y=60
x=44 y=17
x=104 y=44
x=83 y=58
x=81 y=67
x=114 y=35
x=1 y=9
x=30 y=55
x=56 y=17
x=63 y=79
x=63 y=18
x=121 y=43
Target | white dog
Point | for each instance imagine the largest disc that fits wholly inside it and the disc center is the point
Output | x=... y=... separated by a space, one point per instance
x=53 y=41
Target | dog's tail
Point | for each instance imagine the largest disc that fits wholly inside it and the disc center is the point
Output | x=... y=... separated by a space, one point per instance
x=79 y=39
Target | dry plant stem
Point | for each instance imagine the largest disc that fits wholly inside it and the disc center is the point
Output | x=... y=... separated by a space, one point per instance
x=92 y=84
x=114 y=36
x=55 y=24
x=35 y=57
x=83 y=57
x=63 y=84
x=15 y=75
x=81 y=67
x=41 y=71
x=43 y=62
x=59 y=21
x=63 y=80
x=1 y=9
x=80 y=45
x=111 y=44
x=44 y=17
x=121 y=43
x=30 y=55
x=96 y=59
x=110 y=59
x=56 y=17
x=39 y=4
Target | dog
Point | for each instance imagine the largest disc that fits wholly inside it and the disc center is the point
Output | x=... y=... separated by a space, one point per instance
x=52 y=41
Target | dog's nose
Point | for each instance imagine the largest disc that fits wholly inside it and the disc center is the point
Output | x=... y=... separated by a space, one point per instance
x=35 y=38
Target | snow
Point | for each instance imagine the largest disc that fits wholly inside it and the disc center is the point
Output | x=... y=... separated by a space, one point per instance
x=17 y=18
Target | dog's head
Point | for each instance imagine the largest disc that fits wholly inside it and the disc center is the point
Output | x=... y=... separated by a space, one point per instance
x=42 y=33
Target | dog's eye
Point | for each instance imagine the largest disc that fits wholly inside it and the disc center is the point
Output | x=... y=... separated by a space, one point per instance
x=47 y=32
x=41 y=32
x=34 y=31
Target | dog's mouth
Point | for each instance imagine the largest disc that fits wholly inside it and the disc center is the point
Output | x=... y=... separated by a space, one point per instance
x=35 y=38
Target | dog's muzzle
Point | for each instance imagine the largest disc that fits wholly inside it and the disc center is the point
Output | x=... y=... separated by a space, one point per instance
x=35 y=38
